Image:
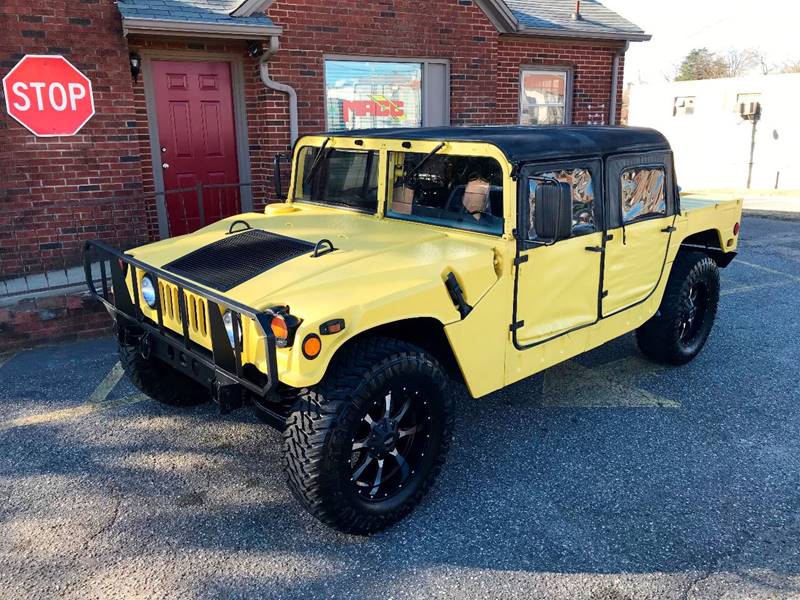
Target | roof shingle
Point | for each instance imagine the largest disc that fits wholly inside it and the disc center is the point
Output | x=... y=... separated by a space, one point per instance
x=556 y=16
x=194 y=11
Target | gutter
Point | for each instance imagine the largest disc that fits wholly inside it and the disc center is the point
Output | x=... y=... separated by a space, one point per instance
x=612 y=105
x=274 y=46
x=197 y=28
x=585 y=34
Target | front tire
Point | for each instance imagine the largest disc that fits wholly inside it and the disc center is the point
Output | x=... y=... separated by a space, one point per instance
x=678 y=332
x=363 y=447
x=158 y=380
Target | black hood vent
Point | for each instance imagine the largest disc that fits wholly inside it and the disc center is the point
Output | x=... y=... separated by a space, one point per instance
x=237 y=258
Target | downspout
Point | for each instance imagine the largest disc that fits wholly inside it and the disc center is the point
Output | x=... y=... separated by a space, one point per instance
x=612 y=105
x=274 y=45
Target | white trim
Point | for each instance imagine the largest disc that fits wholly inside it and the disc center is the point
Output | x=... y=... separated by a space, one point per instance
x=76 y=69
x=197 y=29
x=248 y=7
x=499 y=14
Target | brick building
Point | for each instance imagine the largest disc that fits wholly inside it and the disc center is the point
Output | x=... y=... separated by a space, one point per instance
x=207 y=92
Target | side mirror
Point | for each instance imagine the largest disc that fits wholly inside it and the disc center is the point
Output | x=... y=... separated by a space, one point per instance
x=276 y=177
x=553 y=214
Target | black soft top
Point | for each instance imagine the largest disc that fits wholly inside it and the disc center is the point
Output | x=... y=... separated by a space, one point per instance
x=523 y=144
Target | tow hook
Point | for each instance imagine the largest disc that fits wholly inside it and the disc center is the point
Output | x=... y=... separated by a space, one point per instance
x=145 y=346
x=228 y=396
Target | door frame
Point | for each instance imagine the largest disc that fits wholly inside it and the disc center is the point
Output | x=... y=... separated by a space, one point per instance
x=236 y=63
x=523 y=244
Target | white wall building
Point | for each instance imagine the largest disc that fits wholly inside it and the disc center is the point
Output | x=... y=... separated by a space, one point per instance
x=710 y=138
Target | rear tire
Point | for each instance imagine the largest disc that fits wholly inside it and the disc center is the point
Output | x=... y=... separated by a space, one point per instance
x=156 y=379
x=363 y=447
x=678 y=332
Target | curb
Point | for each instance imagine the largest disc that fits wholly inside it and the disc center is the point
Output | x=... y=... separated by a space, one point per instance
x=771 y=214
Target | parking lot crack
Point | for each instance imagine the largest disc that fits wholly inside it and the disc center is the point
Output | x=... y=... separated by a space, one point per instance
x=109 y=524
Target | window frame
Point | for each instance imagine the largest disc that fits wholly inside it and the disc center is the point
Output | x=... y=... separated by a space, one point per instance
x=615 y=164
x=298 y=184
x=647 y=217
x=388 y=197
x=425 y=91
x=593 y=164
x=569 y=75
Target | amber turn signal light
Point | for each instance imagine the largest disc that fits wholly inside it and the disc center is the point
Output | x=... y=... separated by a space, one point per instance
x=279 y=328
x=284 y=326
x=312 y=346
x=332 y=326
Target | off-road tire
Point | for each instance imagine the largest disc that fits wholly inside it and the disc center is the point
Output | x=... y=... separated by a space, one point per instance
x=662 y=338
x=318 y=440
x=158 y=380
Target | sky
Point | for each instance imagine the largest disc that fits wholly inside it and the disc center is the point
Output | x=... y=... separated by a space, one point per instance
x=678 y=26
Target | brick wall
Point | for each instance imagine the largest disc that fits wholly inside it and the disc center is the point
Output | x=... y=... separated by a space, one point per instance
x=44 y=181
x=56 y=192
x=590 y=63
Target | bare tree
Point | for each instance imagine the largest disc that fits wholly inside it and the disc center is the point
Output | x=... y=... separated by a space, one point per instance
x=739 y=61
x=791 y=67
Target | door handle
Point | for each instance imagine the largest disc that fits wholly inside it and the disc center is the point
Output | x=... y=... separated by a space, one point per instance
x=669 y=229
x=165 y=165
x=595 y=249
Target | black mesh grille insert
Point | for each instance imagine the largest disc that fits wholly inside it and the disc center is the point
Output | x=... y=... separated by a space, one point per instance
x=237 y=258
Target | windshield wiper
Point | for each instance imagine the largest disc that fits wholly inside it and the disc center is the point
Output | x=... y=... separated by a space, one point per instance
x=421 y=163
x=317 y=161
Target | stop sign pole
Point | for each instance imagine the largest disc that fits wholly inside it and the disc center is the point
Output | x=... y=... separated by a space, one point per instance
x=48 y=96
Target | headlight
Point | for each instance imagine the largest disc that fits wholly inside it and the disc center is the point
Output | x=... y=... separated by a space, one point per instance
x=149 y=291
x=227 y=319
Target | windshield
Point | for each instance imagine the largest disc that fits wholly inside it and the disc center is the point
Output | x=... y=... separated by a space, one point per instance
x=340 y=178
x=465 y=192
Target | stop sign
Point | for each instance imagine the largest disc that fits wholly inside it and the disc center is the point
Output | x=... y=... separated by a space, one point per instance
x=48 y=95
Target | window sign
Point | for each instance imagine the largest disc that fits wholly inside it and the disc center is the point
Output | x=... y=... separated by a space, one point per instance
x=372 y=94
x=543 y=97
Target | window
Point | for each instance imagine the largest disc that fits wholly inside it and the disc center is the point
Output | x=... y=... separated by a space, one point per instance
x=683 y=106
x=584 y=220
x=368 y=94
x=341 y=177
x=465 y=192
x=643 y=193
x=543 y=97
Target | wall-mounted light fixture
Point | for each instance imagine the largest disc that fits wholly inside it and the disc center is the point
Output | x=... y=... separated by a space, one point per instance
x=255 y=48
x=136 y=66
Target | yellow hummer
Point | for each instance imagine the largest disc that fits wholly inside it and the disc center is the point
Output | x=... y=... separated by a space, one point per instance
x=401 y=261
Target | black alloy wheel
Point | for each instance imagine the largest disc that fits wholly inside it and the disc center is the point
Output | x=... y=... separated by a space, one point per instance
x=390 y=443
x=363 y=447
x=680 y=328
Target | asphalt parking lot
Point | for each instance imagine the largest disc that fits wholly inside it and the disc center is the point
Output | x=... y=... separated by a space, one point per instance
x=648 y=483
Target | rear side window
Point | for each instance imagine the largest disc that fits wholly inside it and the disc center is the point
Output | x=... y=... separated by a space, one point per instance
x=643 y=193
x=584 y=219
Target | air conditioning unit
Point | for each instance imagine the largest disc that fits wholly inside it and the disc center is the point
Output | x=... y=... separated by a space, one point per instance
x=750 y=110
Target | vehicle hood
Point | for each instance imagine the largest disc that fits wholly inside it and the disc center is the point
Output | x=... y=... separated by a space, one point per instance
x=376 y=261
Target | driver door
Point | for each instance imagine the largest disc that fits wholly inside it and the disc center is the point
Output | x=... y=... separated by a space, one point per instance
x=558 y=284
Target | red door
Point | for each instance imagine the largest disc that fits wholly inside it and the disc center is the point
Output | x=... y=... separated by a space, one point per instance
x=197 y=138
